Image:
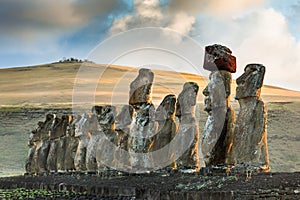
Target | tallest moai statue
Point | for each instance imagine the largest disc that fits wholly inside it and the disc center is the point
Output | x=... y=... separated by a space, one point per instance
x=143 y=125
x=250 y=135
x=218 y=133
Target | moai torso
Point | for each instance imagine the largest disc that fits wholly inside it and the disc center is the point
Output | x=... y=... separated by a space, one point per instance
x=123 y=122
x=30 y=166
x=43 y=145
x=250 y=136
x=71 y=143
x=188 y=128
x=81 y=132
x=106 y=144
x=61 y=149
x=218 y=132
x=94 y=136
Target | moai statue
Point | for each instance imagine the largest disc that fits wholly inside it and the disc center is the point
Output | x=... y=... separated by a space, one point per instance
x=106 y=145
x=81 y=132
x=56 y=155
x=143 y=124
x=32 y=142
x=123 y=122
x=61 y=147
x=167 y=128
x=71 y=143
x=94 y=136
x=186 y=149
x=54 y=139
x=250 y=136
x=43 y=145
x=218 y=132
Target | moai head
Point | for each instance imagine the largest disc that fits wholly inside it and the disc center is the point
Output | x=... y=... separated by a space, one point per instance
x=106 y=117
x=218 y=57
x=166 y=110
x=187 y=98
x=217 y=91
x=81 y=126
x=141 y=88
x=124 y=118
x=250 y=82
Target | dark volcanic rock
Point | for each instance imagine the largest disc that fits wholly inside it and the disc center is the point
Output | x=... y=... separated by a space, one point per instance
x=218 y=57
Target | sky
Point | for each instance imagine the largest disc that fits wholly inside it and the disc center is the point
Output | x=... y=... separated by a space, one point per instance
x=257 y=31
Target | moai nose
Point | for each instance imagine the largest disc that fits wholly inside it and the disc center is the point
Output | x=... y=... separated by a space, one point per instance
x=205 y=91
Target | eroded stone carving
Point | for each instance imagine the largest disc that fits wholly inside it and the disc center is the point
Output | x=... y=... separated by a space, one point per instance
x=105 y=151
x=188 y=128
x=32 y=143
x=94 y=136
x=123 y=122
x=81 y=132
x=71 y=143
x=43 y=145
x=250 y=136
x=55 y=159
x=218 y=132
x=142 y=130
x=167 y=128
x=141 y=88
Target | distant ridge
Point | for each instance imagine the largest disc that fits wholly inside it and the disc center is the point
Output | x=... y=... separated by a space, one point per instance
x=50 y=84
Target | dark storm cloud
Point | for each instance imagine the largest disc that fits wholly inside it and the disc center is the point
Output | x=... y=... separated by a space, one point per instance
x=23 y=17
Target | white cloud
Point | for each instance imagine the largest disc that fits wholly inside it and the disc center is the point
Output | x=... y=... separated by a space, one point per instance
x=258 y=37
x=149 y=13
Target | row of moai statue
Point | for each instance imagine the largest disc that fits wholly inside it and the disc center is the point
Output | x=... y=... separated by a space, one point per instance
x=141 y=138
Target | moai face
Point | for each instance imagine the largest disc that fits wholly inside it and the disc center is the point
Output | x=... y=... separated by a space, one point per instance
x=166 y=109
x=107 y=117
x=217 y=90
x=124 y=118
x=250 y=82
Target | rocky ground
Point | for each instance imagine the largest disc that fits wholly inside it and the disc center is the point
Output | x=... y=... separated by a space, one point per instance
x=157 y=186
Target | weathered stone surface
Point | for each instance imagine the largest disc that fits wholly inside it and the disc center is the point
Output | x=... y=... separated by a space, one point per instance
x=81 y=132
x=250 y=136
x=60 y=153
x=141 y=88
x=218 y=132
x=55 y=159
x=123 y=122
x=32 y=142
x=94 y=136
x=165 y=116
x=250 y=82
x=167 y=128
x=71 y=144
x=106 y=116
x=43 y=145
x=188 y=128
x=218 y=57
x=142 y=129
